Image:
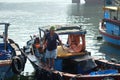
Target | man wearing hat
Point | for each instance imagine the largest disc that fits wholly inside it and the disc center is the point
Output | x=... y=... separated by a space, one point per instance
x=51 y=47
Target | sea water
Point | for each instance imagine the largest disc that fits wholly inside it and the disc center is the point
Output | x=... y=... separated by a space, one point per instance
x=25 y=19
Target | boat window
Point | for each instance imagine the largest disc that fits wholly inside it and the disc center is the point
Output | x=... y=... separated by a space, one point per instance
x=74 y=39
x=114 y=15
x=64 y=38
x=119 y=15
x=107 y=14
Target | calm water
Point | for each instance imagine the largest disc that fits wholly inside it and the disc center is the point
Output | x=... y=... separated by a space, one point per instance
x=26 y=18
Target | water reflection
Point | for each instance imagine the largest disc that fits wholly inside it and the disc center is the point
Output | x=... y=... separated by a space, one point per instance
x=76 y=10
x=76 y=14
x=102 y=49
x=110 y=50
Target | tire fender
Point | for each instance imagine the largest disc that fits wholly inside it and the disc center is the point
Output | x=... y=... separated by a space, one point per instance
x=17 y=65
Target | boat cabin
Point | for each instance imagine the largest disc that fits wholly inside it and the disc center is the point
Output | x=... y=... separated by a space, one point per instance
x=111 y=20
x=73 y=58
x=75 y=41
x=111 y=12
x=5 y=47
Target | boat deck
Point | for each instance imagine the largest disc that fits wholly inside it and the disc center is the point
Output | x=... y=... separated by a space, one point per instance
x=33 y=59
x=65 y=53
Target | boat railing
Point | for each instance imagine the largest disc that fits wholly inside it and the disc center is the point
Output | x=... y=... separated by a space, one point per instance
x=115 y=22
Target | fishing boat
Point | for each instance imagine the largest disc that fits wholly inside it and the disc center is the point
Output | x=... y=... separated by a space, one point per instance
x=72 y=62
x=110 y=25
x=12 y=60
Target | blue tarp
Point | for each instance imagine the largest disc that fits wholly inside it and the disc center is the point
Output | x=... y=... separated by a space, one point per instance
x=4 y=55
x=102 y=72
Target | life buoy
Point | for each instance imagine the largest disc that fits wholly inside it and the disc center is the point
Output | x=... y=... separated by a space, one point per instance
x=17 y=65
x=23 y=59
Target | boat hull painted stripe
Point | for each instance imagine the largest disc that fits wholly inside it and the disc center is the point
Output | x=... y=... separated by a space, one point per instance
x=109 y=37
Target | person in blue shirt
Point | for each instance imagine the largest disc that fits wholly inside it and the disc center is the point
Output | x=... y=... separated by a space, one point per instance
x=51 y=41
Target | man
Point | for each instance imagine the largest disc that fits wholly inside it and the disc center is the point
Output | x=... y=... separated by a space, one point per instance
x=51 y=39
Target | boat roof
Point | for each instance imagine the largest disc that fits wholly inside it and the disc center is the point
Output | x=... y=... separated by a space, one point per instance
x=4 y=30
x=114 y=8
x=4 y=23
x=70 y=30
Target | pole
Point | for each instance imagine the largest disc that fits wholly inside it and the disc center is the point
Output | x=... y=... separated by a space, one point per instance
x=6 y=35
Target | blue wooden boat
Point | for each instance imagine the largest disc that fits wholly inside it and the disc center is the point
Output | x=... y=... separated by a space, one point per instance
x=110 y=25
x=12 y=60
x=71 y=65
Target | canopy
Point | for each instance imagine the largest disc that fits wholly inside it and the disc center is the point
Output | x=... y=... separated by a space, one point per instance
x=114 y=8
x=70 y=30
